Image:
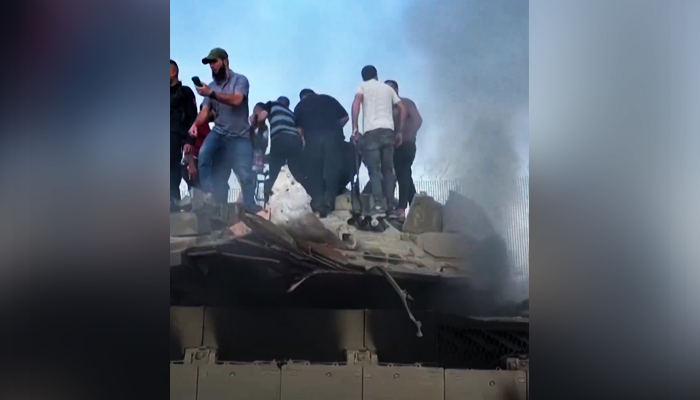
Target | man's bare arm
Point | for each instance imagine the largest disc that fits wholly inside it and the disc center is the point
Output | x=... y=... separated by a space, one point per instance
x=398 y=130
x=402 y=116
x=356 y=104
x=234 y=99
x=416 y=118
x=262 y=116
x=203 y=116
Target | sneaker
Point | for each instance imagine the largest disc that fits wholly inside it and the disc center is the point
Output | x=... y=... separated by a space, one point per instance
x=396 y=214
x=378 y=210
x=401 y=214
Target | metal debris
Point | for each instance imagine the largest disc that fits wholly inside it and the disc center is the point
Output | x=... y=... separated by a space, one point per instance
x=314 y=273
x=404 y=298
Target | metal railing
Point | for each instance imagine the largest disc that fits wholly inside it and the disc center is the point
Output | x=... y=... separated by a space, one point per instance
x=511 y=217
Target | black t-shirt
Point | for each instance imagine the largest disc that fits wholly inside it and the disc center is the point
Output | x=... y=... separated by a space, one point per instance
x=320 y=114
x=183 y=111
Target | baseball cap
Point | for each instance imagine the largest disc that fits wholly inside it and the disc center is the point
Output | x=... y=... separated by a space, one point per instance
x=214 y=54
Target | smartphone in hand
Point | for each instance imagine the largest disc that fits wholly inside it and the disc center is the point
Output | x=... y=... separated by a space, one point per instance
x=196 y=81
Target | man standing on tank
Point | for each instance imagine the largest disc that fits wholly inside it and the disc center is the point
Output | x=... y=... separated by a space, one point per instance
x=286 y=146
x=320 y=119
x=183 y=111
x=228 y=145
x=377 y=100
x=405 y=153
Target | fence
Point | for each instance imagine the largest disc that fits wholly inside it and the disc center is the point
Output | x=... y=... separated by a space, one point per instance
x=511 y=217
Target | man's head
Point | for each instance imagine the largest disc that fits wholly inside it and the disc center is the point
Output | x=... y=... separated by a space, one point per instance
x=174 y=71
x=218 y=62
x=369 y=73
x=306 y=93
x=283 y=100
x=393 y=85
x=258 y=107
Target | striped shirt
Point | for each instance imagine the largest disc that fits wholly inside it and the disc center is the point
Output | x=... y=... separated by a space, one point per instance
x=281 y=119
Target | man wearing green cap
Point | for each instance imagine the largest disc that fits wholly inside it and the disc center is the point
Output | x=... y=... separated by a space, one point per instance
x=228 y=145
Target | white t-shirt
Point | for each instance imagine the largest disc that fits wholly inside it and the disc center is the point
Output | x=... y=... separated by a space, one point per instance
x=378 y=100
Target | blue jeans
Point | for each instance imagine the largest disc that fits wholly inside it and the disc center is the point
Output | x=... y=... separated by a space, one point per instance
x=218 y=155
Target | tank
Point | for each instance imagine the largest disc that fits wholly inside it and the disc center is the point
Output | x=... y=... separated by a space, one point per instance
x=302 y=307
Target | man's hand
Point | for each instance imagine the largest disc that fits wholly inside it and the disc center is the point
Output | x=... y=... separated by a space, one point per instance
x=189 y=149
x=204 y=91
x=193 y=130
x=356 y=136
x=192 y=170
x=398 y=139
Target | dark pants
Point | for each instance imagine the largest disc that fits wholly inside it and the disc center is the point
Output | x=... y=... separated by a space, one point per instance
x=377 y=148
x=403 y=161
x=284 y=149
x=350 y=163
x=176 y=144
x=322 y=166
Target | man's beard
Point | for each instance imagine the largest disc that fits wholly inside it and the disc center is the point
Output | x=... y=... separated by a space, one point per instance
x=220 y=75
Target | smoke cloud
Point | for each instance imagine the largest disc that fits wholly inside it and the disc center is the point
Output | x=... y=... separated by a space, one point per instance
x=476 y=53
x=477 y=57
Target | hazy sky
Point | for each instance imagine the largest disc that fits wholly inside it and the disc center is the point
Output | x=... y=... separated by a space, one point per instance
x=285 y=46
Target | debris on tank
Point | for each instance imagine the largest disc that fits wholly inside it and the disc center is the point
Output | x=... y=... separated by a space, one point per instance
x=424 y=215
x=289 y=200
x=290 y=239
x=290 y=208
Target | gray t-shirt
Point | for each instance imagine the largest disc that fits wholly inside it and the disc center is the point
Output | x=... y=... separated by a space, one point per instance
x=231 y=120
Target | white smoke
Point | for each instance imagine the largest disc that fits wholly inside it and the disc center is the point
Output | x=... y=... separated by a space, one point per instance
x=477 y=55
